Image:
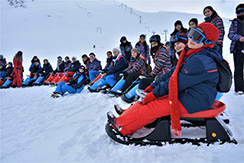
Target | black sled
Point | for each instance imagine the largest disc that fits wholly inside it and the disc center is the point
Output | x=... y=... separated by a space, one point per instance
x=160 y=134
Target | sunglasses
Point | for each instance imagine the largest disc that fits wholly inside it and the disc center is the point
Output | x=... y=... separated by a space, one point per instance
x=175 y=38
x=197 y=36
x=240 y=11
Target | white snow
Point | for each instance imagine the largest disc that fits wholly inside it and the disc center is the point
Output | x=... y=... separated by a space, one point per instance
x=38 y=128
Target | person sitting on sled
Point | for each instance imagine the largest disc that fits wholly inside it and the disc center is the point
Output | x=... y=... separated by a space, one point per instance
x=75 y=85
x=118 y=65
x=93 y=67
x=187 y=88
x=136 y=68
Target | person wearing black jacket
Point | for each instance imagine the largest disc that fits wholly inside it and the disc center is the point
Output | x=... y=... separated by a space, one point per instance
x=46 y=70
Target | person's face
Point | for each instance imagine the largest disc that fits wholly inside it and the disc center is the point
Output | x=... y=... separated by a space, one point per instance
x=115 y=53
x=168 y=47
x=124 y=41
x=192 y=25
x=9 y=65
x=45 y=62
x=66 y=59
x=84 y=59
x=35 y=59
x=59 y=60
x=193 y=45
x=1 y=57
x=208 y=12
x=142 y=39
x=92 y=57
x=179 y=46
x=36 y=63
x=73 y=59
x=154 y=44
x=134 y=54
x=178 y=27
x=109 y=55
x=81 y=70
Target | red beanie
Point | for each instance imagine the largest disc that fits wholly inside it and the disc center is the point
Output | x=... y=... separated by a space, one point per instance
x=210 y=31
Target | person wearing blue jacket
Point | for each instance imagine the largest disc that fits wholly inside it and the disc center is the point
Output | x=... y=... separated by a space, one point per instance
x=93 y=67
x=34 y=59
x=75 y=85
x=189 y=87
x=108 y=61
x=118 y=65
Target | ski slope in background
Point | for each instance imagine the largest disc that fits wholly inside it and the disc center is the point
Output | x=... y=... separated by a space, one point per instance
x=38 y=128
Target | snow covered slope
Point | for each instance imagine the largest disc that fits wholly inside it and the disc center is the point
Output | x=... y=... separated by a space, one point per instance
x=37 y=128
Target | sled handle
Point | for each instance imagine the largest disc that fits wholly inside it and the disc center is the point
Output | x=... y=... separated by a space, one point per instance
x=141 y=94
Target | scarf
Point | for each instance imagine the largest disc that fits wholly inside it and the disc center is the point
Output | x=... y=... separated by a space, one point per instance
x=173 y=90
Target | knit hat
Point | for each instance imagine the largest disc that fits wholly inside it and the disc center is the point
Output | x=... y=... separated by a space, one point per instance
x=59 y=57
x=92 y=54
x=45 y=60
x=194 y=20
x=136 y=50
x=116 y=49
x=67 y=57
x=181 y=36
x=84 y=56
x=210 y=31
x=81 y=66
x=142 y=35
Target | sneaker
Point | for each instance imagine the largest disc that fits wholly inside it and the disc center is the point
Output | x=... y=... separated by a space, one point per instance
x=118 y=109
x=239 y=92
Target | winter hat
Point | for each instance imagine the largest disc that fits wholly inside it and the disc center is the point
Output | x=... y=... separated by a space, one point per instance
x=210 y=31
x=178 y=22
x=45 y=60
x=181 y=37
x=67 y=57
x=155 y=38
x=116 y=49
x=194 y=20
x=92 y=54
x=81 y=66
x=10 y=63
x=84 y=56
x=167 y=43
x=136 y=50
x=59 y=57
x=142 y=35
x=123 y=38
x=240 y=7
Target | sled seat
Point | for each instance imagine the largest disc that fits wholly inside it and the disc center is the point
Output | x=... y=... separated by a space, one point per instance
x=217 y=108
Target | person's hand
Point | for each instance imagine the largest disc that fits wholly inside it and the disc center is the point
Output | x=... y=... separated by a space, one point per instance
x=148 y=89
x=242 y=39
x=149 y=97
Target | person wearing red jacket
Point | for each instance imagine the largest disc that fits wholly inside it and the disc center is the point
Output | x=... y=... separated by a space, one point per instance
x=18 y=69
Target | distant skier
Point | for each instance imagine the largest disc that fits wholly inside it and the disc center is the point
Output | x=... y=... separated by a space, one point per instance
x=125 y=47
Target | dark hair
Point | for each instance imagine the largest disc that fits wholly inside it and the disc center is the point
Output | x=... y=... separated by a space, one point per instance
x=109 y=52
x=183 y=30
x=19 y=56
x=241 y=5
x=211 y=8
x=67 y=57
x=194 y=20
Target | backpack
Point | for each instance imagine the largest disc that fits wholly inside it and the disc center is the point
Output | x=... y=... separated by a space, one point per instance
x=225 y=75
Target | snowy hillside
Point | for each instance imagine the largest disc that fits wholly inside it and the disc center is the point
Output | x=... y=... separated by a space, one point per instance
x=38 y=128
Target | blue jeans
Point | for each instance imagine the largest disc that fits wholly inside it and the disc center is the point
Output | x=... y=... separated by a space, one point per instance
x=102 y=82
x=92 y=75
x=62 y=88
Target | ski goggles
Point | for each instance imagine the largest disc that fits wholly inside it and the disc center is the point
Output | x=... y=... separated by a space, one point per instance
x=176 y=38
x=198 y=36
x=240 y=11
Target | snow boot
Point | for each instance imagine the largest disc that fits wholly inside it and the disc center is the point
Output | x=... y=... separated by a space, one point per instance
x=118 y=109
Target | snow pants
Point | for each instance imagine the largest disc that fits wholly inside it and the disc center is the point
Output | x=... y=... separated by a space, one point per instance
x=92 y=75
x=62 y=88
x=139 y=115
x=129 y=79
x=102 y=82
x=239 y=70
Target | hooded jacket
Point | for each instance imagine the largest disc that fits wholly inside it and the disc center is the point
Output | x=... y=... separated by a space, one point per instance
x=197 y=79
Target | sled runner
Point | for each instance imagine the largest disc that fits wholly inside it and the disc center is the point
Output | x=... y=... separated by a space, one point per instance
x=159 y=132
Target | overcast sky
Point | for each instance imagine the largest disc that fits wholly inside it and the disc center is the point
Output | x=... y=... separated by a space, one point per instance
x=225 y=8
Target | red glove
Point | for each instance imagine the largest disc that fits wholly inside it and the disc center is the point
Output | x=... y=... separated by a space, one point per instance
x=149 y=97
x=148 y=89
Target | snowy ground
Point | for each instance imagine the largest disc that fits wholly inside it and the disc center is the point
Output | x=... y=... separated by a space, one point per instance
x=38 y=128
